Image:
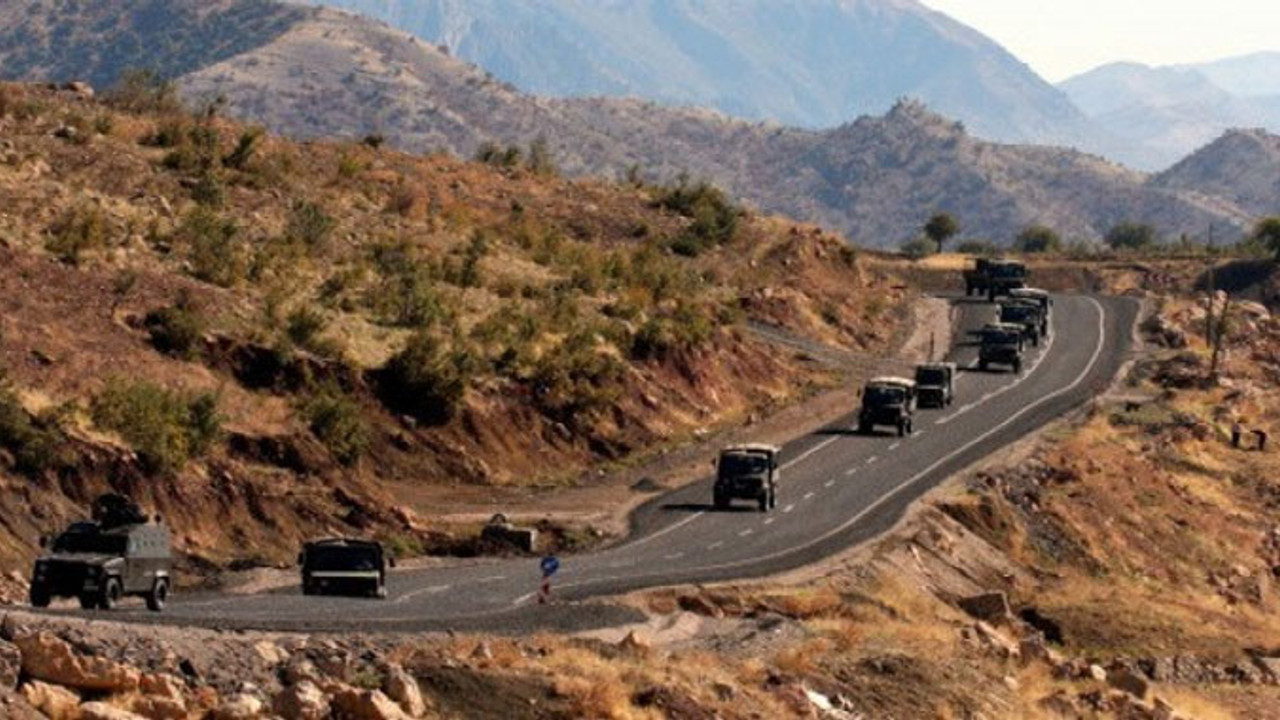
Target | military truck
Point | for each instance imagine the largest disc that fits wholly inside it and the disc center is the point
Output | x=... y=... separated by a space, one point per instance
x=344 y=566
x=888 y=401
x=747 y=472
x=1026 y=314
x=935 y=384
x=120 y=553
x=1039 y=297
x=994 y=278
x=1001 y=345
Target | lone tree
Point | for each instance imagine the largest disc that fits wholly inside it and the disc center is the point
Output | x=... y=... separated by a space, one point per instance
x=1267 y=233
x=941 y=228
x=1038 y=239
x=1131 y=236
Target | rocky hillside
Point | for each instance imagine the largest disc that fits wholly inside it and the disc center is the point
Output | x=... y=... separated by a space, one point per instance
x=1242 y=166
x=332 y=74
x=204 y=316
x=811 y=63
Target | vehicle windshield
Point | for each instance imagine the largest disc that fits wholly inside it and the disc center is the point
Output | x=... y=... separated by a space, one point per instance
x=342 y=558
x=933 y=377
x=885 y=396
x=94 y=543
x=735 y=464
x=1016 y=313
x=1000 y=337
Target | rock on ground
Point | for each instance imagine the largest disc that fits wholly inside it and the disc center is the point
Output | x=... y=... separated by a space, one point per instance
x=46 y=657
x=57 y=703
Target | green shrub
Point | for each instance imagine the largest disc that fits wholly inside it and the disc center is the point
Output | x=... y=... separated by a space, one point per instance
x=715 y=218
x=246 y=146
x=304 y=326
x=336 y=421
x=213 y=246
x=576 y=379
x=1131 y=236
x=427 y=379
x=310 y=225
x=144 y=92
x=1038 y=239
x=78 y=231
x=177 y=330
x=36 y=444
x=208 y=190
x=165 y=428
x=659 y=337
x=918 y=248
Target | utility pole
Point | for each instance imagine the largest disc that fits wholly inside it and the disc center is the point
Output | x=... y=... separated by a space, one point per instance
x=1213 y=292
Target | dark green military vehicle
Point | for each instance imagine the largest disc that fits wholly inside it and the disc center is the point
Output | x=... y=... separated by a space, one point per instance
x=994 y=278
x=936 y=384
x=1001 y=345
x=344 y=566
x=120 y=553
x=888 y=401
x=748 y=472
x=1028 y=315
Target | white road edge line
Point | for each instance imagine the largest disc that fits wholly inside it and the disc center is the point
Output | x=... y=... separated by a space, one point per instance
x=1093 y=361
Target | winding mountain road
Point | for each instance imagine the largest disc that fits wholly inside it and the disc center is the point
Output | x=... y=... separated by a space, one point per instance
x=840 y=489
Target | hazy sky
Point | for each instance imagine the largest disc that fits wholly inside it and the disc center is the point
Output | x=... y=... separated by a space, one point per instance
x=1060 y=38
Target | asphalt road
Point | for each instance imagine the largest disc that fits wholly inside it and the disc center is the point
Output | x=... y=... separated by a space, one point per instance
x=839 y=489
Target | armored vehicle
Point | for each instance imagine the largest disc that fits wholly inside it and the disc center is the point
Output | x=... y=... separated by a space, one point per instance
x=888 y=401
x=1039 y=297
x=1028 y=315
x=994 y=278
x=935 y=384
x=1001 y=345
x=344 y=566
x=120 y=553
x=748 y=472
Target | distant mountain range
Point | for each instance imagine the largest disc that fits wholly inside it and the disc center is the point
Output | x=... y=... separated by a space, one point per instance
x=327 y=73
x=803 y=63
x=1163 y=113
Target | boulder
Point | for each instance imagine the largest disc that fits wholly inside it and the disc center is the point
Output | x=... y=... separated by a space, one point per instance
x=301 y=701
x=163 y=685
x=990 y=606
x=634 y=644
x=103 y=711
x=57 y=703
x=239 y=707
x=402 y=687
x=354 y=704
x=1033 y=648
x=10 y=665
x=992 y=639
x=270 y=653
x=159 y=708
x=46 y=657
x=1130 y=682
x=299 y=669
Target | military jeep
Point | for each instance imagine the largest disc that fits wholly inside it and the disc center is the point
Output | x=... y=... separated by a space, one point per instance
x=1038 y=297
x=888 y=401
x=120 y=553
x=344 y=566
x=935 y=384
x=1028 y=315
x=1002 y=344
x=748 y=472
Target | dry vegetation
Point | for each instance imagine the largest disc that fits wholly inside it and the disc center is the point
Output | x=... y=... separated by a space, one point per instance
x=198 y=311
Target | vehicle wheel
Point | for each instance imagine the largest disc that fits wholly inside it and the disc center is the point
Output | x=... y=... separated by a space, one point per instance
x=721 y=502
x=1017 y=366
x=911 y=427
x=773 y=499
x=88 y=602
x=982 y=365
x=111 y=594
x=39 y=597
x=764 y=503
x=158 y=596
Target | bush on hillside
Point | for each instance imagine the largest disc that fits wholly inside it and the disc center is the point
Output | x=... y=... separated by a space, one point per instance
x=144 y=92
x=1131 y=236
x=79 y=230
x=1038 y=239
x=165 y=428
x=177 y=330
x=213 y=247
x=427 y=380
x=336 y=421
x=36 y=444
x=309 y=225
x=576 y=379
x=918 y=248
x=715 y=218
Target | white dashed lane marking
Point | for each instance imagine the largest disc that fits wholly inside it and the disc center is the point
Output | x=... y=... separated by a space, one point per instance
x=746 y=532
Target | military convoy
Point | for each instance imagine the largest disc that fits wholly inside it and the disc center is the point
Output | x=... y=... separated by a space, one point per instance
x=747 y=472
x=936 y=384
x=119 y=553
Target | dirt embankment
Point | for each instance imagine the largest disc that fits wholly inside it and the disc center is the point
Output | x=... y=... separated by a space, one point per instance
x=386 y=338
